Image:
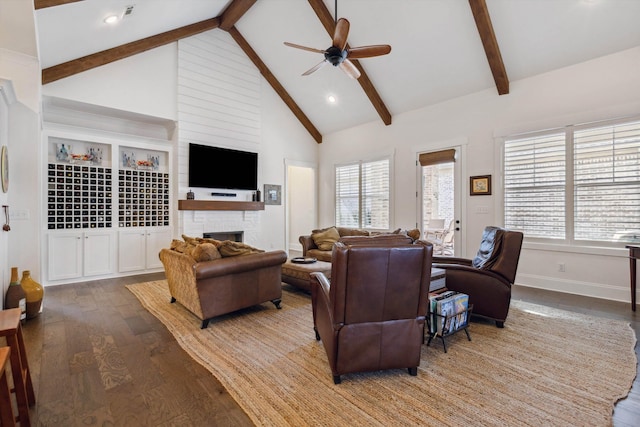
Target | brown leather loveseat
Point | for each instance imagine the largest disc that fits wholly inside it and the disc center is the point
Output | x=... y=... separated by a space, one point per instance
x=212 y=288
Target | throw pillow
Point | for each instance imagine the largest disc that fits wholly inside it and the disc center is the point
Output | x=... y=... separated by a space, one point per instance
x=215 y=242
x=414 y=234
x=229 y=248
x=204 y=252
x=325 y=239
x=178 y=246
x=190 y=240
x=344 y=231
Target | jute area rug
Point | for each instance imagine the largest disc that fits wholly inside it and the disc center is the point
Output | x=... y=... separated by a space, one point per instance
x=546 y=367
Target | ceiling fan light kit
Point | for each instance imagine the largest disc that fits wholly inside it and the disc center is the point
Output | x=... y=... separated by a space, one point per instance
x=339 y=52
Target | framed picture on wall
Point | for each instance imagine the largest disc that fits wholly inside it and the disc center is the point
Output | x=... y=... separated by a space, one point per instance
x=272 y=194
x=480 y=185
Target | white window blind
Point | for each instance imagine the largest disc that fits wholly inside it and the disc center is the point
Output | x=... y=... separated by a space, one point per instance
x=362 y=195
x=607 y=183
x=580 y=185
x=534 y=187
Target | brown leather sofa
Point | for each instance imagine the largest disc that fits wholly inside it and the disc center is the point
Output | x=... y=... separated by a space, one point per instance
x=310 y=249
x=212 y=288
x=487 y=278
x=371 y=315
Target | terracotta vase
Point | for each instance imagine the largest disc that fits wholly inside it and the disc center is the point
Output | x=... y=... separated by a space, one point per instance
x=34 y=294
x=16 y=296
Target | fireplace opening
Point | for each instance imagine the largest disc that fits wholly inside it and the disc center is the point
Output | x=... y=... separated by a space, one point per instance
x=234 y=236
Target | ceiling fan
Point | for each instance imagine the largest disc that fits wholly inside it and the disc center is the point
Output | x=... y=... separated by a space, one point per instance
x=338 y=54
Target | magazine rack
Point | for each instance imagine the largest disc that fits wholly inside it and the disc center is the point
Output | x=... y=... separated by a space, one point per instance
x=460 y=323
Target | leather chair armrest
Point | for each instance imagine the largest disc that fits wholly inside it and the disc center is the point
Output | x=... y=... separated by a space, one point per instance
x=321 y=298
x=472 y=274
x=450 y=260
x=323 y=284
x=307 y=244
x=238 y=264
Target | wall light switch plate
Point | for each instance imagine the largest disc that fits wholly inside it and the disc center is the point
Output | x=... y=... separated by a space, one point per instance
x=482 y=209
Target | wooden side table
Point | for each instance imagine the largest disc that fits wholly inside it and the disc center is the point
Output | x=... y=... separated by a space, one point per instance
x=11 y=329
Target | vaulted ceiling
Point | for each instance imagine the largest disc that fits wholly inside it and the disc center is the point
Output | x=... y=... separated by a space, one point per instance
x=441 y=49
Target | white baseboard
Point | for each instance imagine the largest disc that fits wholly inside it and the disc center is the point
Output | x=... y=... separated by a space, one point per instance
x=595 y=290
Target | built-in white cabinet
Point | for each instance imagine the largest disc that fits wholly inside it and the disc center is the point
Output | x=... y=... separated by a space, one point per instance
x=139 y=248
x=108 y=206
x=72 y=255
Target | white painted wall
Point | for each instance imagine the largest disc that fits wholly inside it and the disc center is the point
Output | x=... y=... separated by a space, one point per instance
x=144 y=83
x=604 y=88
x=23 y=136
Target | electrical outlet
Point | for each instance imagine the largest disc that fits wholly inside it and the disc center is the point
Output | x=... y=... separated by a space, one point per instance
x=561 y=267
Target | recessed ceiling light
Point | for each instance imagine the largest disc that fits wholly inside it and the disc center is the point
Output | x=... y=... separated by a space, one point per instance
x=111 y=19
x=331 y=99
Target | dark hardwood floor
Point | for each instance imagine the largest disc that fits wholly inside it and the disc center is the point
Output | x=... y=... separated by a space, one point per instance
x=98 y=358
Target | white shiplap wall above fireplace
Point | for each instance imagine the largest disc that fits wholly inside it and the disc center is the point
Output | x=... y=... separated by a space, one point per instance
x=218 y=105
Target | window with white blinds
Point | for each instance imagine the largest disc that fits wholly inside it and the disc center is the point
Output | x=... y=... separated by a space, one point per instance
x=578 y=185
x=362 y=194
x=607 y=183
x=534 y=185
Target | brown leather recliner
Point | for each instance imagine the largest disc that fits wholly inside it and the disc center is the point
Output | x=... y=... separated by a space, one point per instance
x=371 y=315
x=487 y=279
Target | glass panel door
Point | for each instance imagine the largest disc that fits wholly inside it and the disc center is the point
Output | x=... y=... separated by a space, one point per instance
x=439 y=218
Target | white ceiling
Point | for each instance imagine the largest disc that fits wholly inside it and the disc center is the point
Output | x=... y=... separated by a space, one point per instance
x=436 y=50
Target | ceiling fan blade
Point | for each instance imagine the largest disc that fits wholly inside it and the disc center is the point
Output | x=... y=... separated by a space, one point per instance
x=315 y=68
x=350 y=69
x=368 y=51
x=341 y=34
x=310 y=49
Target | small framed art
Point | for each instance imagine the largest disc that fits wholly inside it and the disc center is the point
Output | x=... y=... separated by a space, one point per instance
x=272 y=194
x=480 y=185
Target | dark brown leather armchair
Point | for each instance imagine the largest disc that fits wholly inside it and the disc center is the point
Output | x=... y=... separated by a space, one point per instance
x=487 y=278
x=371 y=315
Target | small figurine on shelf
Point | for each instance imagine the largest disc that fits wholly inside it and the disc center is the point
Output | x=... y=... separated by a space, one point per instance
x=94 y=155
x=62 y=154
x=191 y=195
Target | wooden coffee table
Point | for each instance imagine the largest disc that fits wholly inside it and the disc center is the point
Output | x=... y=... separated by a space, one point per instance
x=299 y=275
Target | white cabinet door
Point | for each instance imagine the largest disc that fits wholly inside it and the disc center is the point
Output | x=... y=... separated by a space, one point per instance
x=98 y=253
x=65 y=255
x=156 y=240
x=132 y=250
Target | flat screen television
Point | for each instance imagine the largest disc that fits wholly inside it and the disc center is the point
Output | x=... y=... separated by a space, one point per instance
x=216 y=167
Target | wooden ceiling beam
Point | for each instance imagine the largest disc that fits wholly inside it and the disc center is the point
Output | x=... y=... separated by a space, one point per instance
x=329 y=24
x=234 y=12
x=88 y=62
x=275 y=84
x=41 y=4
x=490 y=43
x=225 y=21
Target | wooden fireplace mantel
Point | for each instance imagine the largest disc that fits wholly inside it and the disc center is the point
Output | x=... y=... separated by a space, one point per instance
x=219 y=205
